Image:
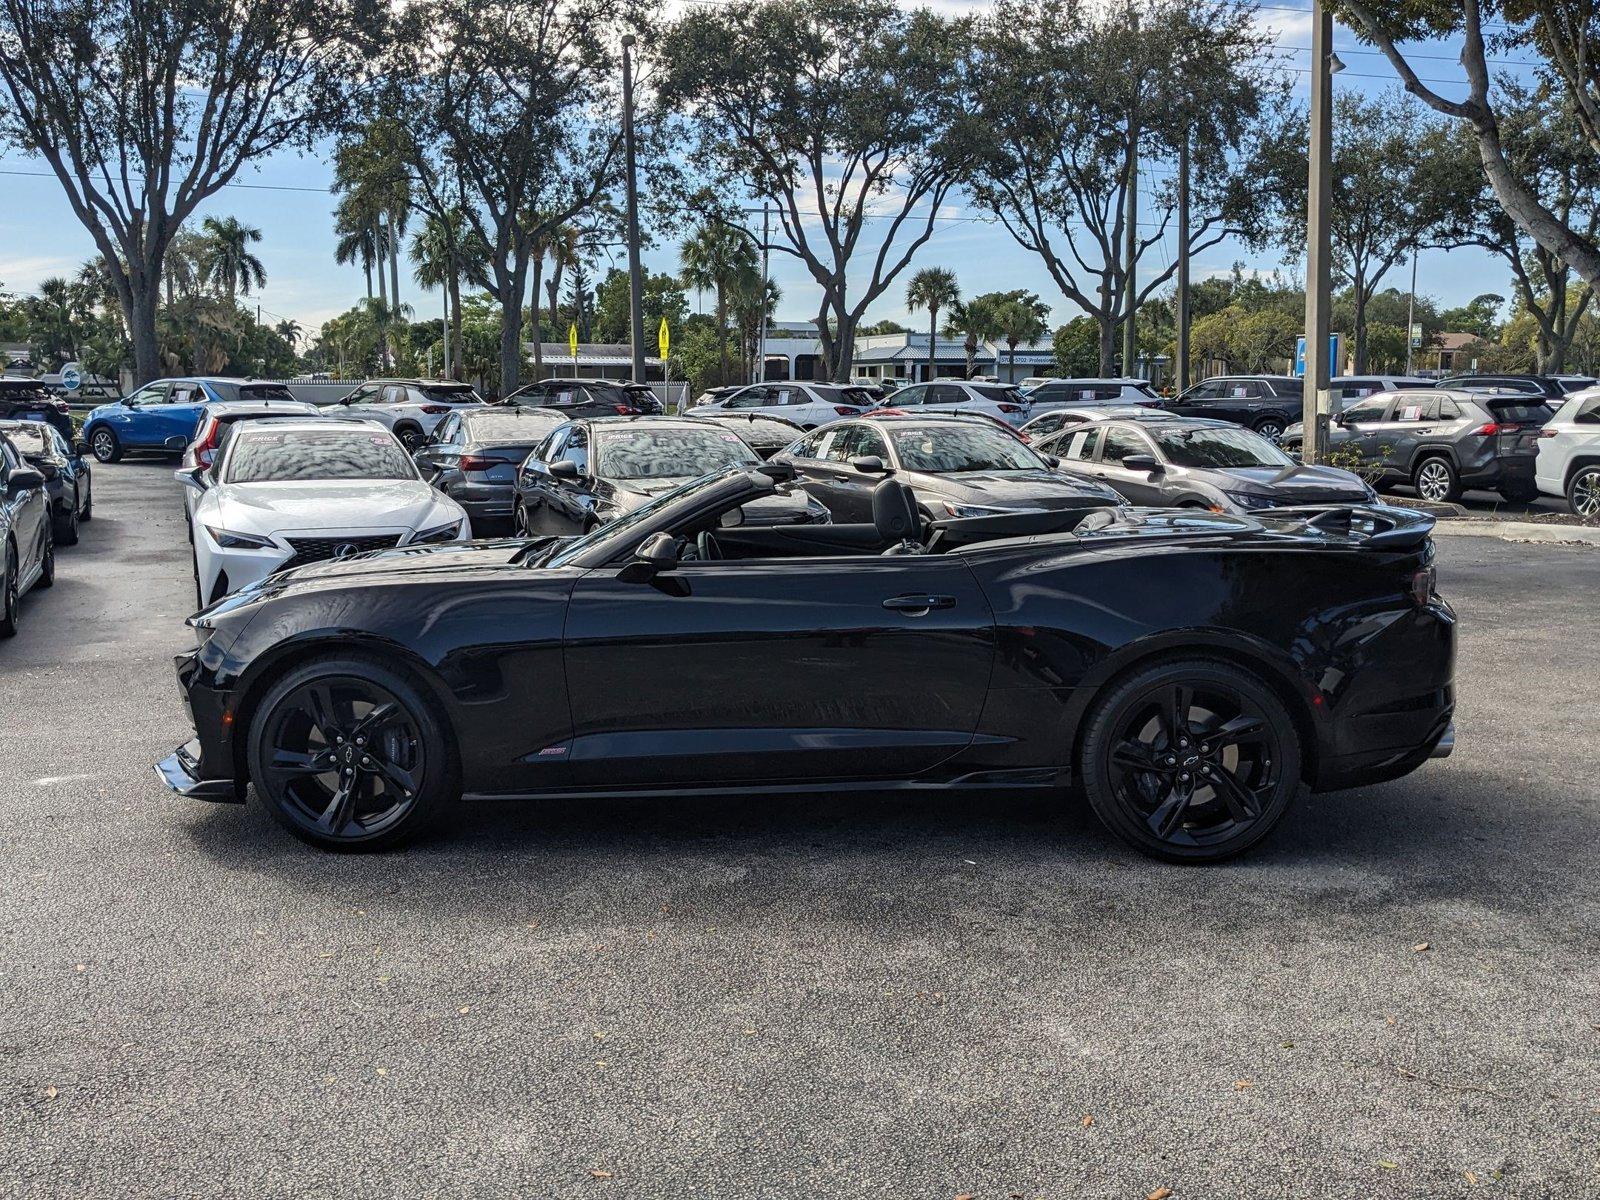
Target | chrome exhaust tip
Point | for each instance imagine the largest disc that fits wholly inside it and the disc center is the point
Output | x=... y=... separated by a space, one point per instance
x=1446 y=744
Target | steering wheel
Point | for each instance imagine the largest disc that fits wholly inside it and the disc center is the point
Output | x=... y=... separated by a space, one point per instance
x=706 y=548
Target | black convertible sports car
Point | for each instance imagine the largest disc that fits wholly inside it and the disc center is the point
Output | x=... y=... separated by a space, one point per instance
x=1189 y=670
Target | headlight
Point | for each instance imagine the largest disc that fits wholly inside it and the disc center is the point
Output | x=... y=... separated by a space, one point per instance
x=1250 y=500
x=439 y=533
x=971 y=510
x=239 y=541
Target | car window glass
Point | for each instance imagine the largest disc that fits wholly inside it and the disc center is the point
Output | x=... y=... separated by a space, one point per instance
x=185 y=393
x=577 y=448
x=996 y=392
x=960 y=446
x=449 y=431
x=1241 y=390
x=806 y=447
x=394 y=394
x=362 y=395
x=752 y=397
x=156 y=393
x=1082 y=443
x=1588 y=412
x=907 y=397
x=1367 y=410
x=1208 y=390
x=1411 y=410
x=564 y=395
x=944 y=393
x=265 y=456
x=645 y=452
x=777 y=396
x=869 y=443
x=835 y=444
x=28 y=441
x=1120 y=443
x=554 y=445
x=1219 y=448
x=1449 y=410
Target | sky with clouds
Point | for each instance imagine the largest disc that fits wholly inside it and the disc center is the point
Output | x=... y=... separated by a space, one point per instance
x=286 y=197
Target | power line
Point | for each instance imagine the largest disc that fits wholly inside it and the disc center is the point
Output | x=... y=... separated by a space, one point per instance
x=258 y=187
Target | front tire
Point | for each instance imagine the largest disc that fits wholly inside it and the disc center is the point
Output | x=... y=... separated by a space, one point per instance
x=10 y=594
x=1191 y=761
x=410 y=437
x=47 y=560
x=1435 y=479
x=1583 y=492
x=104 y=445
x=67 y=521
x=351 y=755
x=1271 y=428
x=88 y=498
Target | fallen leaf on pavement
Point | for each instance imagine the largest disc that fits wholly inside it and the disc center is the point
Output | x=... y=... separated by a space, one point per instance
x=1088 y=1121
x=383 y=1072
x=599 y=1174
x=50 y=1093
x=1387 y=1165
x=464 y=1009
x=1161 y=1193
x=1421 y=946
x=1470 y=1177
x=1239 y=1085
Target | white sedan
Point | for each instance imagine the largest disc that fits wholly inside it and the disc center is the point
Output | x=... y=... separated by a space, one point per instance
x=1569 y=454
x=284 y=493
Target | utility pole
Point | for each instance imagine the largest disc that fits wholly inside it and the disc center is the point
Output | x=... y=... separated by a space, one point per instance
x=1316 y=396
x=449 y=362
x=1411 y=310
x=1130 y=327
x=635 y=274
x=1182 y=365
x=761 y=351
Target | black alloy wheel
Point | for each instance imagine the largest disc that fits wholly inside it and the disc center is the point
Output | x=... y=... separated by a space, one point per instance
x=10 y=595
x=105 y=447
x=47 y=559
x=88 y=498
x=1191 y=761
x=410 y=437
x=1583 y=493
x=67 y=521
x=349 y=755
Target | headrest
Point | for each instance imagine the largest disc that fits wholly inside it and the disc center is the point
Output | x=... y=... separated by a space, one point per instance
x=894 y=512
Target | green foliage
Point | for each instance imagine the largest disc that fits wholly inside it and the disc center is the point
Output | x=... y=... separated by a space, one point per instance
x=663 y=297
x=1479 y=317
x=1077 y=349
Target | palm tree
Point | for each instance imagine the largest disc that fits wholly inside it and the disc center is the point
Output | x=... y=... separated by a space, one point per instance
x=713 y=257
x=226 y=262
x=749 y=301
x=932 y=288
x=445 y=250
x=974 y=322
x=289 y=331
x=1020 y=318
x=180 y=269
x=564 y=254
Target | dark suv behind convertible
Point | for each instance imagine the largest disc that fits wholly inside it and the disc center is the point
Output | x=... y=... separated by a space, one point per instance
x=1441 y=441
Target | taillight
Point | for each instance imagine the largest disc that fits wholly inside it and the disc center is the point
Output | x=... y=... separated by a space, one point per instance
x=434 y=410
x=1544 y=433
x=623 y=410
x=1004 y=407
x=845 y=410
x=1492 y=428
x=1422 y=586
x=205 y=446
x=476 y=462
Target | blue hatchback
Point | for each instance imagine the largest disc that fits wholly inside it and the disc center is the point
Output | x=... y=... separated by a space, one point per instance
x=162 y=416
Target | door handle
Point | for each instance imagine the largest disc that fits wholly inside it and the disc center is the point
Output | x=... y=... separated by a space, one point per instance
x=917 y=605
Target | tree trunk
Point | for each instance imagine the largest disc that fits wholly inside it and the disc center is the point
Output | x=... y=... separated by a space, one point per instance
x=366 y=269
x=457 y=352
x=1360 y=330
x=722 y=335
x=394 y=264
x=971 y=347
x=1011 y=361
x=844 y=347
x=383 y=299
x=933 y=337
x=1108 y=345
x=141 y=316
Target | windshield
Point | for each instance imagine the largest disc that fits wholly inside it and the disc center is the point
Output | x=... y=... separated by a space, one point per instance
x=261 y=456
x=1519 y=410
x=447 y=393
x=996 y=392
x=639 y=452
x=28 y=441
x=859 y=397
x=941 y=448
x=511 y=425
x=1219 y=448
x=620 y=527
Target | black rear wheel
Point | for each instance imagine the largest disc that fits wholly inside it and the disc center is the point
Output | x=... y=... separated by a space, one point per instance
x=47 y=559
x=1191 y=761
x=1271 y=428
x=10 y=594
x=349 y=755
x=67 y=521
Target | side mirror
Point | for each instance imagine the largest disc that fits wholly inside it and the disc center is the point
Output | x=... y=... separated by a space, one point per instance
x=657 y=553
x=869 y=464
x=126 y=402
x=1142 y=462
x=194 y=477
x=564 y=468
x=22 y=479
x=80 y=447
x=1051 y=461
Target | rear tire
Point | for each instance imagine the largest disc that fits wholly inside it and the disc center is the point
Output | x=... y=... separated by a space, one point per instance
x=1520 y=493
x=105 y=446
x=410 y=437
x=1190 y=760
x=88 y=498
x=10 y=594
x=67 y=522
x=47 y=563
x=1271 y=428
x=409 y=776
x=1436 y=480
x=1583 y=491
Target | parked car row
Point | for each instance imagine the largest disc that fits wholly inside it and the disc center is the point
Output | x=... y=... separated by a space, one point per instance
x=45 y=492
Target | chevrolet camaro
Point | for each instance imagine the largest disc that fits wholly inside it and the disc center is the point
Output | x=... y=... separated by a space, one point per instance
x=1192 y=673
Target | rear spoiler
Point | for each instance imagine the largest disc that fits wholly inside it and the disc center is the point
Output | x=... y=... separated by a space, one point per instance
x=1381 y=526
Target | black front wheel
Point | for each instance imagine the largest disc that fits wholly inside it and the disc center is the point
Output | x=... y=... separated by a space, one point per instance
x=1271 y=429
x=350 y=755
x=88 y=499
x=47 y=560
x=67 y=521
x=10 y=594
x=1191 y=761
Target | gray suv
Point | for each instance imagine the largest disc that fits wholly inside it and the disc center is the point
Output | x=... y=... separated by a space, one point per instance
x=1440 y=441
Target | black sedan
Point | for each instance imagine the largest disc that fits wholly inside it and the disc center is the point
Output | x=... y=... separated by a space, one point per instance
x=764 y=434
x=472 y=456
x=65 y=471
x=27 y=540
x=590 y=472
x=1178 y=463
x=1192 y=672
x=588 y=397
x=955 y=465
x=31 y=400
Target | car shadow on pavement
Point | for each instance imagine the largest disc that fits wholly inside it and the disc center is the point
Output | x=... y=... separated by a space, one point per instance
x=1376 y=848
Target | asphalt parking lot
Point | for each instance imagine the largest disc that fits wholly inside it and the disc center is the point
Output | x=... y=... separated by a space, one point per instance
x=898 y=997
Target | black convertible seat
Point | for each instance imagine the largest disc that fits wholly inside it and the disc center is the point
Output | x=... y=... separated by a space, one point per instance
x=894 y=511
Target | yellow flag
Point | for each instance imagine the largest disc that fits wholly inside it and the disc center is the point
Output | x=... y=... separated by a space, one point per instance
x=664 y=339
x=572 y=338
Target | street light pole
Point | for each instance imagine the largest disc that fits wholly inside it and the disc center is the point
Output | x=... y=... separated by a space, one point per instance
x=766 y=236
x=1411 y=311
x=635 y=274
x=1182 y=380
x=1316 y=394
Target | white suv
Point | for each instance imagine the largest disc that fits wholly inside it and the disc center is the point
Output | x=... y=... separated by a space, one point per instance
x=806 y=404
x=1061 y=393
x=1569 y=454
x=1000 y=400
x=410 y=407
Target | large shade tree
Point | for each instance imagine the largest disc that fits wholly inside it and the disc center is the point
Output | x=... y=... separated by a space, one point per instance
x=1080 y=102
x=511 y=107
x=847 y=116
x=143 y=109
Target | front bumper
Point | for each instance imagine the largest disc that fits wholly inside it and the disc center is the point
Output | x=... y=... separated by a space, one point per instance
x=181 y=771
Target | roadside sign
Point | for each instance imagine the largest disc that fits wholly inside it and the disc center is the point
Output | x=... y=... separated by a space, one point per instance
x=71 y=378
x=664 y=339
x=1335 y=341
x=1416 y=336
x=572 y=340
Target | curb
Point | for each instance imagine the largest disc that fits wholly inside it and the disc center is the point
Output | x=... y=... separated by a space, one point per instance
x=1522 y=531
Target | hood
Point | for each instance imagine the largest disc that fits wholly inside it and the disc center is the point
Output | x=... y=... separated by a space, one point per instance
x=333 y=505
x=1290 y=485
x=1015 y=489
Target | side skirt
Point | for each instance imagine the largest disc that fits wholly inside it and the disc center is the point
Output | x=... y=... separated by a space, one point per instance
x=1023 y=779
